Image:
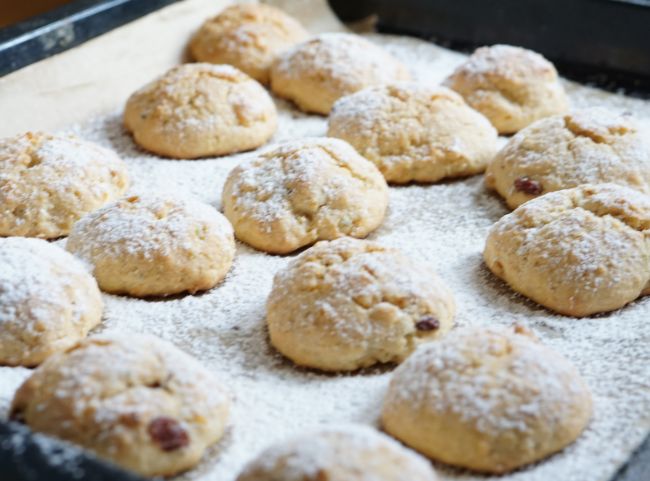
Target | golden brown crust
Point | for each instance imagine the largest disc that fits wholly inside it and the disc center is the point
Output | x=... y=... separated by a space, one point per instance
x=316 y=73
x=345 y=453
x=48 y=301
x=487 y=399
x=198 y=110
x=347 y=304
x=155 y=246
x=414 y=132
x=589 y=146
x=511 y=86
x=303 y=191
x=48 y=182
x=577 y=251
x=249 y=37
x=130 y=398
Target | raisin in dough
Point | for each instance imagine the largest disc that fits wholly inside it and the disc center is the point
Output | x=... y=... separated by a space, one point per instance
x=577 y=251
x=414 y=132
x=47 y=182
x=341 y=453
x=347 y=304
x=133 y=399
x=249 y=37
x=511 y=86
x=197 y=110
x=317 y=72
x=487 y=399
x=154 y=245
x=48 y=301
x=303 y=191
x=589 y=146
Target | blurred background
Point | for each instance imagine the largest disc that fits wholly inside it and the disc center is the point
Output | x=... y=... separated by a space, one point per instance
x=13 y=11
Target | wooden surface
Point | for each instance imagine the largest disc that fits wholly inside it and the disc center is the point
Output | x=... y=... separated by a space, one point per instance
x=13 y=11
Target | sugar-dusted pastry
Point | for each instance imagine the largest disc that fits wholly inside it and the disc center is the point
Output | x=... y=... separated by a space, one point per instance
x=48 y=301
x=338 y=453
x=414 y=132
x=589 y=146
x=577 y=251
x=302 y=191
x=200 y=109
x=155 y=245
x=348 y=303
x=132 y=399
x=247 y=36
x=47 y=182
x=511 y=86
x=317 y=72
x=487 y=399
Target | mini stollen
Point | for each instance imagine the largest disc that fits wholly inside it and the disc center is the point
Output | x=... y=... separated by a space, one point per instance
x=198 y=110
x=48 y=301
x=577 y=251
x=348 y=304
x=155 y=245
x=414 y=132
x=511 y=86
x=302 y=191
x=247 y=36
x=338 y=453
x=133 y=399
x=587 y=146
x=48 y=182
x=487 y=399
x=317 y=72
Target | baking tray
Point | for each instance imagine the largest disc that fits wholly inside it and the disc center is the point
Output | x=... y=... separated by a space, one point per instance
x=601 y=42
x=534 y=23
x=66 y=27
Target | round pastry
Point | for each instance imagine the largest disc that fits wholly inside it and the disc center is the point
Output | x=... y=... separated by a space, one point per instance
x=315 y=73
x=578 y=251
x=197 y=110
x=345 y=453
x=303 y=191
x=511 y=86
x=133 y=399
x=487 y=399
x=589 y=146
x=155 y=246
x=348 y=304
x=47 y=182
x=48 y=301
x=414 y=132
x=248 y=36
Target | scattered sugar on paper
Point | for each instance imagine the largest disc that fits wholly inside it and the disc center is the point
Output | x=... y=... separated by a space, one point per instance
x=443 y=225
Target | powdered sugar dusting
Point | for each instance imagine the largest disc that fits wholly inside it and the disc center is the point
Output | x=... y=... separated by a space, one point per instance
x=343 y=57
x=90 y=384
x=500 y=59
x=343 y=449
x=457 y=375
x=443 y=225
x=146 y=225
x=61 y=163
x=353 y=276
x=581 y=230
x=263 y=187
x=35 y=278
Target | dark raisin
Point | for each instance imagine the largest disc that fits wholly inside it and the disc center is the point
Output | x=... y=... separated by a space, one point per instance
x=17 y=416
x=528 y=186
x=168 y=433
x=427 y=323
